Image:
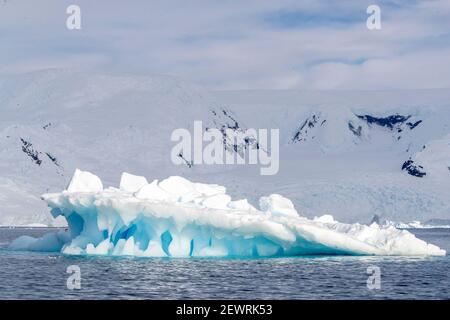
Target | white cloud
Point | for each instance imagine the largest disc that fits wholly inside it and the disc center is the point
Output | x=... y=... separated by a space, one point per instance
x=233 y=45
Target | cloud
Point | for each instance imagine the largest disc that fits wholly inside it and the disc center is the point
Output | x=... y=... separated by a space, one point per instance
x=252 y=44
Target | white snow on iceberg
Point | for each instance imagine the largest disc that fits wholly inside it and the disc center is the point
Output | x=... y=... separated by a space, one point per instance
x=179 y=218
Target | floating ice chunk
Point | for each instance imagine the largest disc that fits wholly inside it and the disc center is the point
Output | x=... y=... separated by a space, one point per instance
x=23 y=243
x=277 y=204
x=50 y=242
x=418 y=225
x=326 y=218
x=132 y=183
x=84 y=181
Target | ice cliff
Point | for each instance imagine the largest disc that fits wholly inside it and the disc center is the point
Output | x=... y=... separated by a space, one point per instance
x=178 y=218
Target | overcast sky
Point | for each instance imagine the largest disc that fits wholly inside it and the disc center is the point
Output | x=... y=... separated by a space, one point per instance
x=245 y=44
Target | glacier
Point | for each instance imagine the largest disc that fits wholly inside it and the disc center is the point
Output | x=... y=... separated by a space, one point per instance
x=179 y=218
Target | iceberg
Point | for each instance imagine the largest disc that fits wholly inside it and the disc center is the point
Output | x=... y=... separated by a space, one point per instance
x=179 y=218
x=418 y=224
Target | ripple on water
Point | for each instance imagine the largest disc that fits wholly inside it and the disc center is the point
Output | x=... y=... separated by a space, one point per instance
x=25 y=275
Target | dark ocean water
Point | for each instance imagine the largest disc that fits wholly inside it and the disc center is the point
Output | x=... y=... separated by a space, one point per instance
x=27 y=275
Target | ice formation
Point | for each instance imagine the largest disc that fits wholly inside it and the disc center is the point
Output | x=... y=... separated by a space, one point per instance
x=418 y=225
x=179 y=218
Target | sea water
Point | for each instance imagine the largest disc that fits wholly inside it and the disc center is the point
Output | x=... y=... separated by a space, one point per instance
x=29 y=275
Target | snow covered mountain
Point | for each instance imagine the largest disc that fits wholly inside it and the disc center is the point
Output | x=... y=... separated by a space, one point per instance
x=55 y=120
x=344 y=153
x=354 y=155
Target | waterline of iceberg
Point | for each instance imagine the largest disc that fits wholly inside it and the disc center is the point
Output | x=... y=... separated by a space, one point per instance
x=179 y=218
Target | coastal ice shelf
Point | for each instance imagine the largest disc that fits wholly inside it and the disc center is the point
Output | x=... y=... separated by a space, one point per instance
x=179 y=218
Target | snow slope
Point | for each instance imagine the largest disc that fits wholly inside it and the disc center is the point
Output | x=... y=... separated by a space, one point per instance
x=55 y=120
x=341 y=153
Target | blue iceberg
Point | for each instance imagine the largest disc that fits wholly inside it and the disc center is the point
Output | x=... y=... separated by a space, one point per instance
x=179 y=218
